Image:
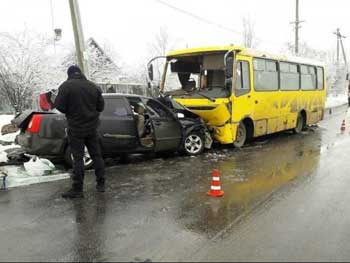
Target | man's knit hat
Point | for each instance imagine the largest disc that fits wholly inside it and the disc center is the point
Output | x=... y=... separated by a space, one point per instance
x=73 y=70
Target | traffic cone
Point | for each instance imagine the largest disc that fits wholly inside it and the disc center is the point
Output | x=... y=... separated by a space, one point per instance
x=215 y=188
x=342 y=128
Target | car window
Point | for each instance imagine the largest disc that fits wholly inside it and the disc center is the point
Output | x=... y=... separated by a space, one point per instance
x=115 y=107
x=157 y=110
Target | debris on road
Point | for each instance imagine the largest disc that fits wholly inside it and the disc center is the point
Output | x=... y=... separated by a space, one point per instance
x=38 y=166
x=8 y=129
x=16 y=155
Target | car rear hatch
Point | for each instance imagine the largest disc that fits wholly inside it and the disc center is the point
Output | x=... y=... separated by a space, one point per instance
x=42 y=133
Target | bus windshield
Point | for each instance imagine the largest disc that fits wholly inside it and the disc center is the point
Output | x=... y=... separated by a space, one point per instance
x=197 y=76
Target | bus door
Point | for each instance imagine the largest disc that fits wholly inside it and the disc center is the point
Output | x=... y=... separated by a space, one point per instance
x=242 y=101
x=267 y=115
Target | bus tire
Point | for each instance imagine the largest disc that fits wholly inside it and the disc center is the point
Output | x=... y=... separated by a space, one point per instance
x=300 y=124
x=241 y=136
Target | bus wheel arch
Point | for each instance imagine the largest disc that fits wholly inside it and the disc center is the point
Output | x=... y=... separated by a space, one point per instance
x=303 y=113
x=249 y=124
x=245 y=131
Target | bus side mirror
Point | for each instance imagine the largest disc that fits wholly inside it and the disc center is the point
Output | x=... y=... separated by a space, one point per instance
x=347 y=76
x=150 y=72
x=229 y=67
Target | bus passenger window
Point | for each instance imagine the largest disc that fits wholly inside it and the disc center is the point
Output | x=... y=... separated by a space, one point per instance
x=265 y=75
x=308 y=77
x=243 y=78
x=320 y=77
x=289 y=76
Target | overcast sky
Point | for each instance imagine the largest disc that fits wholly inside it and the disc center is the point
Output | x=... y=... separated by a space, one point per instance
x=129 y=25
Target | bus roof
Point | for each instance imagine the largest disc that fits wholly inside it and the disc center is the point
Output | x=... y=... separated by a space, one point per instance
x=193 y=51
x=243 y=51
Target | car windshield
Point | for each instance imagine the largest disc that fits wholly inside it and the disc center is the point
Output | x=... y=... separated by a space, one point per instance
x=197 y=76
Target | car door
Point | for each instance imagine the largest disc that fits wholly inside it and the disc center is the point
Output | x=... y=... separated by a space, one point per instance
x=118 y=128
x=167 y=129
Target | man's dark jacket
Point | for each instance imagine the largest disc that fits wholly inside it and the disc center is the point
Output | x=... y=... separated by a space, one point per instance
x=81 y=101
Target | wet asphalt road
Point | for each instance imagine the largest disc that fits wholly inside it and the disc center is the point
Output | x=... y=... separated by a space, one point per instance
x=286 y=199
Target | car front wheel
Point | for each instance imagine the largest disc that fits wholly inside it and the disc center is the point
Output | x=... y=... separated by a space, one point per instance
x=68 y=157
x=193 y=144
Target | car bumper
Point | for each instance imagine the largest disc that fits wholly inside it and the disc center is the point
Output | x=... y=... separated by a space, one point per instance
x=33 y=144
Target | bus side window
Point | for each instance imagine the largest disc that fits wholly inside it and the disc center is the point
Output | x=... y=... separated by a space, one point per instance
x=243 y=78
x=320 y=84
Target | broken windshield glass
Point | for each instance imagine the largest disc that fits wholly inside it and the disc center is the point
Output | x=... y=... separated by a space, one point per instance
x=197 y=76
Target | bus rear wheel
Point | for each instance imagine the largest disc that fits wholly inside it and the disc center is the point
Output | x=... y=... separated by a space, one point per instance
x=300 y=124
x=241 y=135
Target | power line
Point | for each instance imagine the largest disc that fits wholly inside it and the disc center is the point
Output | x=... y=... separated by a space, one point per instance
x=208 y=21
x=197 y=17
x=204 y=20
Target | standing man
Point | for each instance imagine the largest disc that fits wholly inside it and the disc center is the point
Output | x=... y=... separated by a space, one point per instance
x=81 y=101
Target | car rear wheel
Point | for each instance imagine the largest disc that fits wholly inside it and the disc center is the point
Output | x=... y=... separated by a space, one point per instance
x=68 y=157
x=241 y=136
x=193 y=144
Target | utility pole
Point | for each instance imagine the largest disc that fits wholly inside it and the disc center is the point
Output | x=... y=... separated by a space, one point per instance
x=340 y=43
x=297 y=23
x=79 y=37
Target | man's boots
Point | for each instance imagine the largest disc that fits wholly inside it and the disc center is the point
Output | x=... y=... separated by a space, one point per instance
x=73 y=193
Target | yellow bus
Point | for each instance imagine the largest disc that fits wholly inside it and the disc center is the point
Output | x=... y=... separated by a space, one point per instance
x=243 y=93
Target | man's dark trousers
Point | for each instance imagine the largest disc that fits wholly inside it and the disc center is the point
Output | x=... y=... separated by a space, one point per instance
x=77 y=143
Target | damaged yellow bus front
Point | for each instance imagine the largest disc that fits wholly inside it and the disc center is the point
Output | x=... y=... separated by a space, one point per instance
x=242 y=93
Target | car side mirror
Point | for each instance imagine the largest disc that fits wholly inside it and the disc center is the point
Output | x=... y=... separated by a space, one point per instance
x=150 y=72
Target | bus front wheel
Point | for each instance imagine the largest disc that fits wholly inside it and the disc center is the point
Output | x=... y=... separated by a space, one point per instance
x=241 y=136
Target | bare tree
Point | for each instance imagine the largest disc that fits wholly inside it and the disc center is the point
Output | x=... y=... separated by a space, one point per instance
x=25 y=68
x=161 y=44
x=137 y=73
x=102 y=65
x=249 y=37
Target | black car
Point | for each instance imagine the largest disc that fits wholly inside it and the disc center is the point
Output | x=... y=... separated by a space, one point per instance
x=129 y=124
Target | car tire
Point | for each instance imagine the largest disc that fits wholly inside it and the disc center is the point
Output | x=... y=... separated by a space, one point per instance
x=88 y=163
x=124 y=158
x=241 y=136
x=193 y=144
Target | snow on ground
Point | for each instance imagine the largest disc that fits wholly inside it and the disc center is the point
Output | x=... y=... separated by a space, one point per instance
x=20 y=175
x=5 y=119
x=334 y=101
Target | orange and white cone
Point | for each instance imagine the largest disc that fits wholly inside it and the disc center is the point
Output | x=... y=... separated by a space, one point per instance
x=342 y=128
x=215 y=188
